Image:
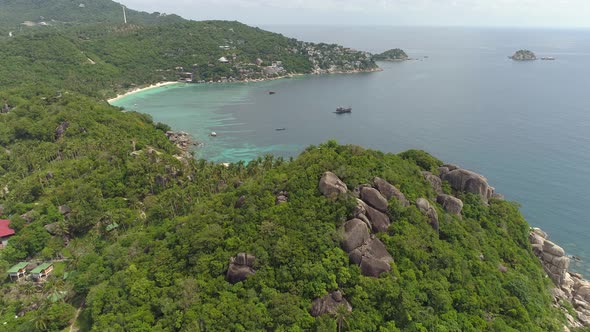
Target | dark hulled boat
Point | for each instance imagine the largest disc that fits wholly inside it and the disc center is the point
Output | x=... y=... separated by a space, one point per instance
x=342 y=110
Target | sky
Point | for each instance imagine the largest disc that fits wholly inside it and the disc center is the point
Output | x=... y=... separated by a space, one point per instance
x=494 y=13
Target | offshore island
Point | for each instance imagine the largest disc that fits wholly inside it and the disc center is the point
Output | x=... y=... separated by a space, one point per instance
x=108 y=225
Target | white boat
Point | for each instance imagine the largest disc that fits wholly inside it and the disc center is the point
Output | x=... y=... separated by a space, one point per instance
x=213 y=134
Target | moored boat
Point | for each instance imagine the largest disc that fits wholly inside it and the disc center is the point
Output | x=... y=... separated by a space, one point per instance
x=341 y=110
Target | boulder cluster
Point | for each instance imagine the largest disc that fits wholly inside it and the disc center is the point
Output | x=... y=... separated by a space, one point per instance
x=462 y=180
x=183 y=141
x=240 y=267
x=329 y=304
x=570 y=287
x=358 y=238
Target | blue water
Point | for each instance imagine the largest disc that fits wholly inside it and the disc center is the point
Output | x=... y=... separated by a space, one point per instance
x=524 y=125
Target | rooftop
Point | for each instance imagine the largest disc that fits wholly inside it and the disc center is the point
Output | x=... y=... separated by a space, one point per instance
x=4 y=229
x=18 y=267
x=40 y=268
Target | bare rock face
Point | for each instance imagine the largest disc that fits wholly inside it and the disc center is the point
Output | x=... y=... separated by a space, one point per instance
x=389 y=191
x=330 y=185
x=61 y=129
x=450 y=204
x=435 y=181
x=53 y=228
x=374 y=198
x=467 y=181
x=329 y=304
x=552 y=257
x=356 y=233
x=372 y=257
x=424 y=207
x=240 y=202
x=570 y=286
x=379 y=221
x=64 y=209
x=240 y=267
x=282 y=197
x=365 y=249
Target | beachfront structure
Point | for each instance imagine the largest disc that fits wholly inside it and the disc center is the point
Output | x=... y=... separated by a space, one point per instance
x=5 y=232
x=42 y=271
x=18 y=271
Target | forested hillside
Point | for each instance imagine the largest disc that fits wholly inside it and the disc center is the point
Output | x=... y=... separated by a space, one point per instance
x=98 y=55
x=142 y=240
x=58 y=14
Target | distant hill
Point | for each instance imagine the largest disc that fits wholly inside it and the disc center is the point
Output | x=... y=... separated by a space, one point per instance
x=98 y=59
x=395 y=54
x=58 y=13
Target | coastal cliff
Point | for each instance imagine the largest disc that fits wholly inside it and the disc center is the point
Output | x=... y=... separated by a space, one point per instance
x=571 y=290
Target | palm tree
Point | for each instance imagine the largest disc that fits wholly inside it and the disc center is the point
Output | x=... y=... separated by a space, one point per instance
x=340 y=315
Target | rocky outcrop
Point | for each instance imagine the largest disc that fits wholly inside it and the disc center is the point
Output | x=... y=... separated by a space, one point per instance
x=282 y=197
x=64 y=210
x=372 y=257
x=364 y=249
x=356 y=233
x=240 y=202
x=379 y=221
x=552 y=256
x=53 y=229
x=181 y=139
x=435 y=182
x=462 y=180
x=331 y=185
x=374 y=198
x=329 y=304
x=570 y=287
x=389 y=191
x=424 y=207
x=240 y=267
x=451 y=204
x=61 y=129
x=5 y=108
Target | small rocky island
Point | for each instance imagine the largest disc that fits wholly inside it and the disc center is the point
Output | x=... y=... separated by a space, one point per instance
x=395 y=54
x=523 y=55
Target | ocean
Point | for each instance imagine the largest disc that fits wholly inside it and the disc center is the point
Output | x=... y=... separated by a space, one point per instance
x=523 y=125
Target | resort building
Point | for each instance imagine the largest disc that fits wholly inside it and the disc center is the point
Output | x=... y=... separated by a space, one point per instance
x=18 y=271
x=42 y=271
x=5 y=232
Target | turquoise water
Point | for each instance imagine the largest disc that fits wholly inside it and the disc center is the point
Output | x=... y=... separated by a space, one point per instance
x=525 y=126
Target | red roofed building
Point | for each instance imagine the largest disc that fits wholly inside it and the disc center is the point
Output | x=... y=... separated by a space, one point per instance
x=5 y=232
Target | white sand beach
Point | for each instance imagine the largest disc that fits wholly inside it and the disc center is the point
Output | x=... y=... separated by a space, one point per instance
x=136 y=90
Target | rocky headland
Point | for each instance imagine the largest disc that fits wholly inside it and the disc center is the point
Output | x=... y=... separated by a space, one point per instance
x=571 y=289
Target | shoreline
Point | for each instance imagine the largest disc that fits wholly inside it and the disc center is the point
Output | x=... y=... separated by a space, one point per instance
x=255 y=80
x=569 y=287
x=136 y=90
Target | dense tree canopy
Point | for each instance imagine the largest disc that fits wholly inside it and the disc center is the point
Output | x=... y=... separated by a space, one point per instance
x=163 y=267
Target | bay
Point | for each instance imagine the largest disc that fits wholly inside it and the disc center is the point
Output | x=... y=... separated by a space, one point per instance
x=524 y=125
